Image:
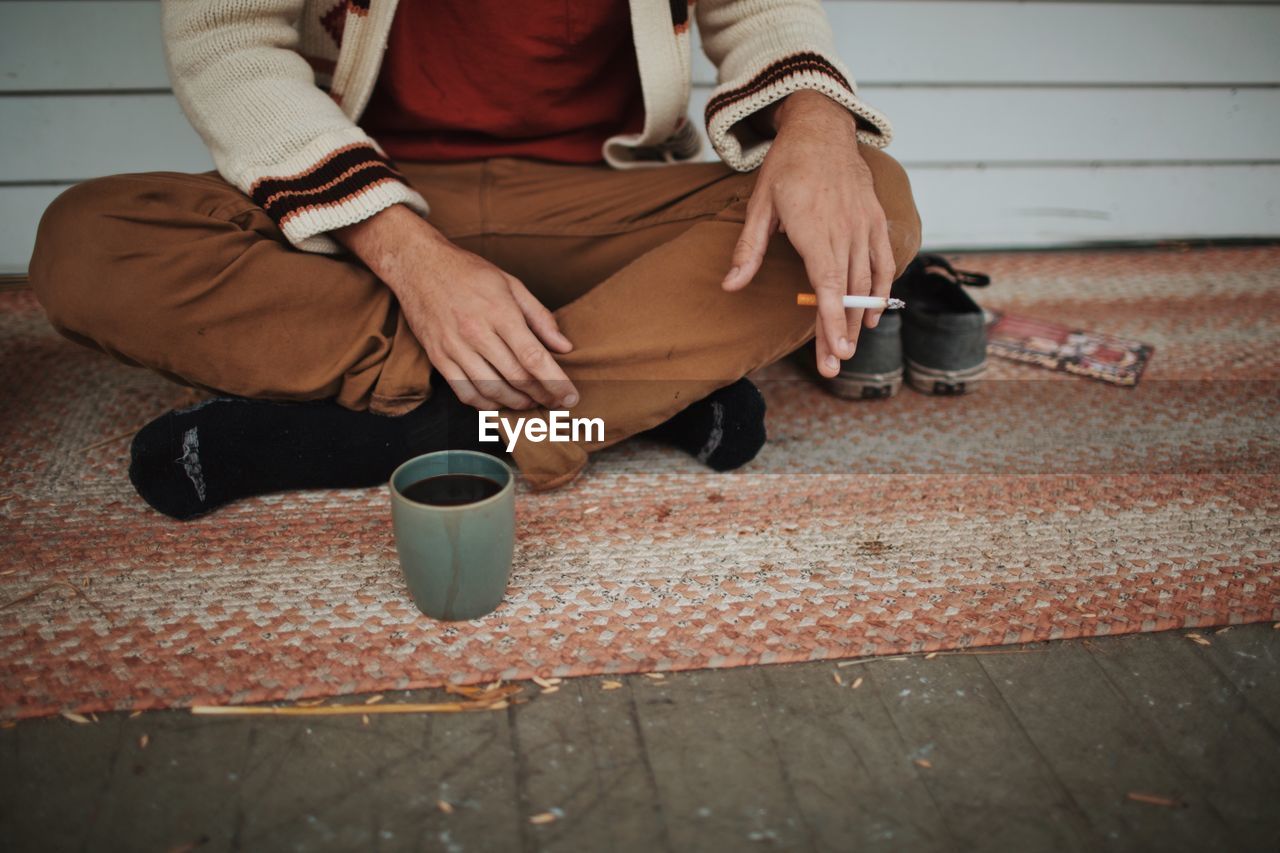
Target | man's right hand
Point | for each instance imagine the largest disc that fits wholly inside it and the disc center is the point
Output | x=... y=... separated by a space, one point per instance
x=485 y=333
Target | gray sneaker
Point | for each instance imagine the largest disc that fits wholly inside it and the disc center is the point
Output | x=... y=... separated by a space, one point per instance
x=875 y=371
x=944 y=332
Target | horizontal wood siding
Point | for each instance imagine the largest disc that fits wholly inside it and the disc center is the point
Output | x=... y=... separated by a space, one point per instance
x=115 y=44
x=68 y=138
x=1021 y=123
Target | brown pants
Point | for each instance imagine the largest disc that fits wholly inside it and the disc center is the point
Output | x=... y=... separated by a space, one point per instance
x=184 y=275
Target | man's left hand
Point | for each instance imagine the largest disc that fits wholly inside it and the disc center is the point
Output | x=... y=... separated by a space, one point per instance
x=815 y=187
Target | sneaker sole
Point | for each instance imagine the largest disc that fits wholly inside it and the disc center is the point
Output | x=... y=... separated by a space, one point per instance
x=944 y=383
x=865 y=386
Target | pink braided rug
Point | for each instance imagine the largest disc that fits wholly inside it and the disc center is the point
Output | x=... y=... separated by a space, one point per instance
x=1044 y=507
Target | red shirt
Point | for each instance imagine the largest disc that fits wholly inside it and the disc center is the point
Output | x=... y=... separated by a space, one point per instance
x=469 y=79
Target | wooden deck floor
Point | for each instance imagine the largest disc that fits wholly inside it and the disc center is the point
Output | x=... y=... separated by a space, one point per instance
x=1008 y=752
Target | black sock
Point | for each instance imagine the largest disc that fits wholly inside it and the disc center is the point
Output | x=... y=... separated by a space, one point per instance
x=193 y=460
x=725 y=430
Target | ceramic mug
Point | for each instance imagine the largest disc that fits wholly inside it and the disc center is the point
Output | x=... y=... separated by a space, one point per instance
x=456 y=557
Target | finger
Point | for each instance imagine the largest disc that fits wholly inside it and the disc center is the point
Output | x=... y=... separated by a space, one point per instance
x=748 y=253
x=533 y=356
x=542 y=321
x=829 y=277
x=828 y=364
x=499 y=355
x=859 y=284
x=461 y=385
x=487 y=381
x=882 y=269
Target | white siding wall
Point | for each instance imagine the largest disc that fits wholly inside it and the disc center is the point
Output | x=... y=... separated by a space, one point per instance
x=1021 y=123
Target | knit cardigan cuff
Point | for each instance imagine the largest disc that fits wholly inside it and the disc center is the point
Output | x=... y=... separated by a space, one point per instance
x=343 y=186
x=744 y=149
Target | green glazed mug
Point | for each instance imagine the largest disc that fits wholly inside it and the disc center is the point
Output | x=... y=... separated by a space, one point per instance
x=456 y=557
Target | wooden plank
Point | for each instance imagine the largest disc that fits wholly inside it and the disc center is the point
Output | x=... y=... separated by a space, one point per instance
x=188 y=755
x=887 y=41
x=720 y=779
x=20 y=210
x=55 y=769
x=1101 y=751
x=853 y=780
x=81 y=46
x=338 y=784
x=1207 y=728
x=116 y=44
x=465 y=760
x=994 y=790
x=311 y=782
x=76 y=137
x=967 y=125
x=1250 y=658
x=1049 y=206
x=580 y=753
x=1103 y=715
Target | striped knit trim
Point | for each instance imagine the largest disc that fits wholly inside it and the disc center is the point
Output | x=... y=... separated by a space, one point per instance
x=680 y=11
x=309 y=227
x=320 y=172
x=785 y=67
x=680 y=14
x=338 y=192
x=334 y=21
x=339 y=197
x=744 y=150
x=342 y=174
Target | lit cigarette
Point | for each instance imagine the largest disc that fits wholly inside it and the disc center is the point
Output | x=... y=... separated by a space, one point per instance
x=855 y=301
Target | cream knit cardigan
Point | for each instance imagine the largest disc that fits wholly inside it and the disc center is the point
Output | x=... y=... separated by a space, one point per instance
x=276 y=89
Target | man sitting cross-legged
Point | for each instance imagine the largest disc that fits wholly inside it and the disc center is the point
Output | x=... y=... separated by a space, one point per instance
x=430 y=207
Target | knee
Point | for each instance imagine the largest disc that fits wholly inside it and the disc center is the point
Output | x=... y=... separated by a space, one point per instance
x=68 y=249
x=893 y=190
